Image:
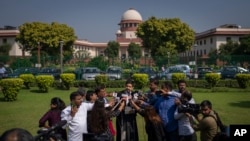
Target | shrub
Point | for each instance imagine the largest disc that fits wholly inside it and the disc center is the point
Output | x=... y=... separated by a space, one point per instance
x=28 y=79
x=10 y=88
x=67 y=79
x=44 y=82
x=178 y=76
x=212 y=79
x=101 y=79
x=140 y=80
x=243 y=80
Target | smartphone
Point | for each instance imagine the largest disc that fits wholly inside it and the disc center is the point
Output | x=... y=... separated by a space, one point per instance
x=74 y=105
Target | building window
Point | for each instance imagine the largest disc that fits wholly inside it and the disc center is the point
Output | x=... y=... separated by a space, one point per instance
x=4 y=40
x=228 y=39
x=211 y=40
x=200 y=42
x=205 y=42
x=205 y=52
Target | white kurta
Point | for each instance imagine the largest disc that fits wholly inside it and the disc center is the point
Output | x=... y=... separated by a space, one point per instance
x=77 y=125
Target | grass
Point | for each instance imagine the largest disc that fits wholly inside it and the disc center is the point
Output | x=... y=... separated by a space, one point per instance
x=233 y=108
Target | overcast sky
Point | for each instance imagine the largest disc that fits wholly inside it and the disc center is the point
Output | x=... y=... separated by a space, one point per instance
x=97 y=20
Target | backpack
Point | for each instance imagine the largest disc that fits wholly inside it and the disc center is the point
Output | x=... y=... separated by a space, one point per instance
x=222 y=134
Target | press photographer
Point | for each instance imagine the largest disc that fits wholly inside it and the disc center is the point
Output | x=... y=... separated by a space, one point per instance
x=186 y=104
x=185 y=112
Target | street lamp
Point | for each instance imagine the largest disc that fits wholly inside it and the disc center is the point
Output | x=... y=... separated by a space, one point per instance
x=195 y=61
x=61 y=56
x=38 y=55
x=168 y=59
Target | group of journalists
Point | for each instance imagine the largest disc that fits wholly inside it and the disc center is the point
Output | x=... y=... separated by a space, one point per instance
x=169 y=115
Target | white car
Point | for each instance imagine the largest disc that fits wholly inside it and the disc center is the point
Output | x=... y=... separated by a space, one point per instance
x=114 y=72
x=89 y=73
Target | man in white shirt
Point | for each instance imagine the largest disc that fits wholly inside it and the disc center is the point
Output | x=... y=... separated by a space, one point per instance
x=2 y=70
x=76 y=117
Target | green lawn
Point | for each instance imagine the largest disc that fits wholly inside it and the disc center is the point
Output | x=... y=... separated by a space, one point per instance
x=233 y=108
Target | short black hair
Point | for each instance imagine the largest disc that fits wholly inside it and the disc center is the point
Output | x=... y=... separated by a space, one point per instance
x=187 y=94
x=89 y=94
x=181 y=81
x=206 y=103
x=167 y=85
x=129 y=81
x=18 y=133
x=73 y=95
x=99 y=88
x=154 y=80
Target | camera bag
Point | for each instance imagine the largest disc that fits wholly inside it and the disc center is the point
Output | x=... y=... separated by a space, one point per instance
x=222 y=134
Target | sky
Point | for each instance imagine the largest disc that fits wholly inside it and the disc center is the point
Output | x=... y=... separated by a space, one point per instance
x=97 y=20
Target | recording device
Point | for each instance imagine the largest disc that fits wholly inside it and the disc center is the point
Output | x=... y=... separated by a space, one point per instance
x=52 y=132
x=193 y=109
x=74 y=105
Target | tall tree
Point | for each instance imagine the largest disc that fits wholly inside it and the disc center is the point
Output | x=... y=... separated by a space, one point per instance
x=164 y=35
x=47 y=36
x=134 y=51
x=99 y=62
x=112 y=49
x=4 y=52
x=244 y=47
x=226 y=51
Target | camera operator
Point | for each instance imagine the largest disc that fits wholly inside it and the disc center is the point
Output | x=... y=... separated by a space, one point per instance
x=206 y=123
x=183 y=114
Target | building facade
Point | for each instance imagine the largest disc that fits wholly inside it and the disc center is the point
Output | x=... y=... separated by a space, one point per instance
x=212 y=39
x=204 y=41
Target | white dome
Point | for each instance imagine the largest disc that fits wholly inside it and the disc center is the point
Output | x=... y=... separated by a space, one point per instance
x=118 y=32
x=131 y=14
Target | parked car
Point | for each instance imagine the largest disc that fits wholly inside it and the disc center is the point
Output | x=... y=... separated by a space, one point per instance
x=51 y=71
x=185 y=69
x=181 y=68
x=202 y=71
x=114 y=72
x=7 y=73
x=167 y=74
x=89 y=73
x=149 y=71
x=23 y=70
x=231 y=71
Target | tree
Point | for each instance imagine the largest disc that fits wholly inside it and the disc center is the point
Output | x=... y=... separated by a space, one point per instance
x=4 y=53
x=112 y=50
x=134 y=51
x=99 y=62
x=226 y=51
x=244 y=47
x=47 y=35
x=213 y=56
x=163 y=36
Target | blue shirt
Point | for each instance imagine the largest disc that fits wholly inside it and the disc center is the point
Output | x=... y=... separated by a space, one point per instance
x=165 y=107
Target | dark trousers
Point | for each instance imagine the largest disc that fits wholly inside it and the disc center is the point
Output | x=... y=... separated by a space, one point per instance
x=172 y=136
x=192 y=137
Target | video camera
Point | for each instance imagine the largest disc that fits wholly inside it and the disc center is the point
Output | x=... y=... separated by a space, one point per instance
x=193 y=109
x=52 y=132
